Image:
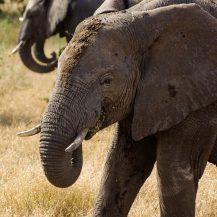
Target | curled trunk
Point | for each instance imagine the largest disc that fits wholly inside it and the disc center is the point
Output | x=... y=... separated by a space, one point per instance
x=28 y=60
x=62 y=169
x=58 y=130
x=38 y=49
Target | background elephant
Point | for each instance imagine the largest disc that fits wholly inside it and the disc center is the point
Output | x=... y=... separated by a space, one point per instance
x=108 y=74
x=44 y=18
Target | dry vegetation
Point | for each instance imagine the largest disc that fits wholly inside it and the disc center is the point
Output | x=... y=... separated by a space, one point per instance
x=24 y=191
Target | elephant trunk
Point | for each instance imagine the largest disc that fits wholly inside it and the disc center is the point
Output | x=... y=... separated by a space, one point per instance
x=28 y=60
x=62 y=169
x=61 y=125
x=38 y=49
x=27 y=36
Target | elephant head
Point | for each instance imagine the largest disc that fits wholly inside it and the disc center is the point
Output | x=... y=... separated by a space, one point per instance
x=44 y=18
x=147 y=65
x=40 y=20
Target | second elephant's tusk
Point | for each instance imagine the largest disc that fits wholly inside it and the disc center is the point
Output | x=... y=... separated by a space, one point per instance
x=31 y=132
x=77 y=142
x=20 y=45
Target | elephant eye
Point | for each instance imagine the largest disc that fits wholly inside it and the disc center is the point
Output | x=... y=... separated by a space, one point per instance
x=106 y=82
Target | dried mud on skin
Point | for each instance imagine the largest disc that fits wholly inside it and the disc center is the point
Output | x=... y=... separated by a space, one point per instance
x=80 y=42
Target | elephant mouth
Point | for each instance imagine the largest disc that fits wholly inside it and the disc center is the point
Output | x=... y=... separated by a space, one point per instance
x=87 y=133
x=98 y=126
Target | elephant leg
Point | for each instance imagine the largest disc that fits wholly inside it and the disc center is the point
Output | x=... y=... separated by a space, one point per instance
x=127 y=167
x=182 y=155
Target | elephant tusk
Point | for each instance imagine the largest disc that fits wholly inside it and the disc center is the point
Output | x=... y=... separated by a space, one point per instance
x=20 y=45
x=21 y=19
x=35 y=130
x=77 y=142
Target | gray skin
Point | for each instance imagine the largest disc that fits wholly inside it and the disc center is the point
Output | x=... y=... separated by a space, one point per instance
x=138 y=5
x=122 y=67
x=44 y=18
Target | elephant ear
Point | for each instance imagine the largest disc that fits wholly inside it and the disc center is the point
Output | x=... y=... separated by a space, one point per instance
x=56 y=14
x=112 y=6
x=180 y=71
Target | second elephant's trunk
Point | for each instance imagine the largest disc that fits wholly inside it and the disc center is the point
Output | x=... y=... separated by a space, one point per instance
x=38 y=49
x=28 y=60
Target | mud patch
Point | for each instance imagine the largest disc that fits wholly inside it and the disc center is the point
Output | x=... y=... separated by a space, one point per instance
x=92 y=131
x=80 y=42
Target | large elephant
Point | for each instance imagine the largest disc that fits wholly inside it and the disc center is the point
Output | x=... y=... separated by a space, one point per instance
x=156 y=77
x=44 y=18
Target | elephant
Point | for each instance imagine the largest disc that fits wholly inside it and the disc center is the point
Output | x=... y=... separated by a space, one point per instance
x=156 y=77
x=44 y=18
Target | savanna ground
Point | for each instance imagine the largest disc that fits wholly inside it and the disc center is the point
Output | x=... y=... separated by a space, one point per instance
x=24 y=191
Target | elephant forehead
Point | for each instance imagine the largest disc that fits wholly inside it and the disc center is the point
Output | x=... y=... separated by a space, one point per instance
x=79 y=43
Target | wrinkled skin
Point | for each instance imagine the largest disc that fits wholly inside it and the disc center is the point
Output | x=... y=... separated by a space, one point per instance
x=122 y=68
x=44 y=18
x=115 y=5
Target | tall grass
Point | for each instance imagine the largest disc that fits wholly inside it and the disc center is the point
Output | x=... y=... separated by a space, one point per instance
x=24 y=191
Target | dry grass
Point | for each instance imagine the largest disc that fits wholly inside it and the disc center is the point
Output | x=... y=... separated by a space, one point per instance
x=24 y=191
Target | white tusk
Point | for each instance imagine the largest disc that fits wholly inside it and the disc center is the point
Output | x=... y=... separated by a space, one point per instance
x=21 y=19
x=17 y=47
x=35 y=130
x=77 y=142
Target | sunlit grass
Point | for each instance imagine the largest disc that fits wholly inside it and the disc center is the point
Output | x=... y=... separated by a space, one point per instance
x=24 y=190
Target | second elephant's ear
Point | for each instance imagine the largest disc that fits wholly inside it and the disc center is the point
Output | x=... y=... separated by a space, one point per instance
x=112 y=6
x=57 y=12
x=180 y=72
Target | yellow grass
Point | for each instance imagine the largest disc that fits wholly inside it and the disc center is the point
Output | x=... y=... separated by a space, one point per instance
x=24 y=191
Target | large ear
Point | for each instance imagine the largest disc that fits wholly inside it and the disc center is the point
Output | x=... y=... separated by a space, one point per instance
x=180 y=71
x=112 y=6
x=57 y=12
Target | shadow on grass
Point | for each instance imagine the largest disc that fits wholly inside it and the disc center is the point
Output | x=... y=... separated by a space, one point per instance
x=9 y=119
